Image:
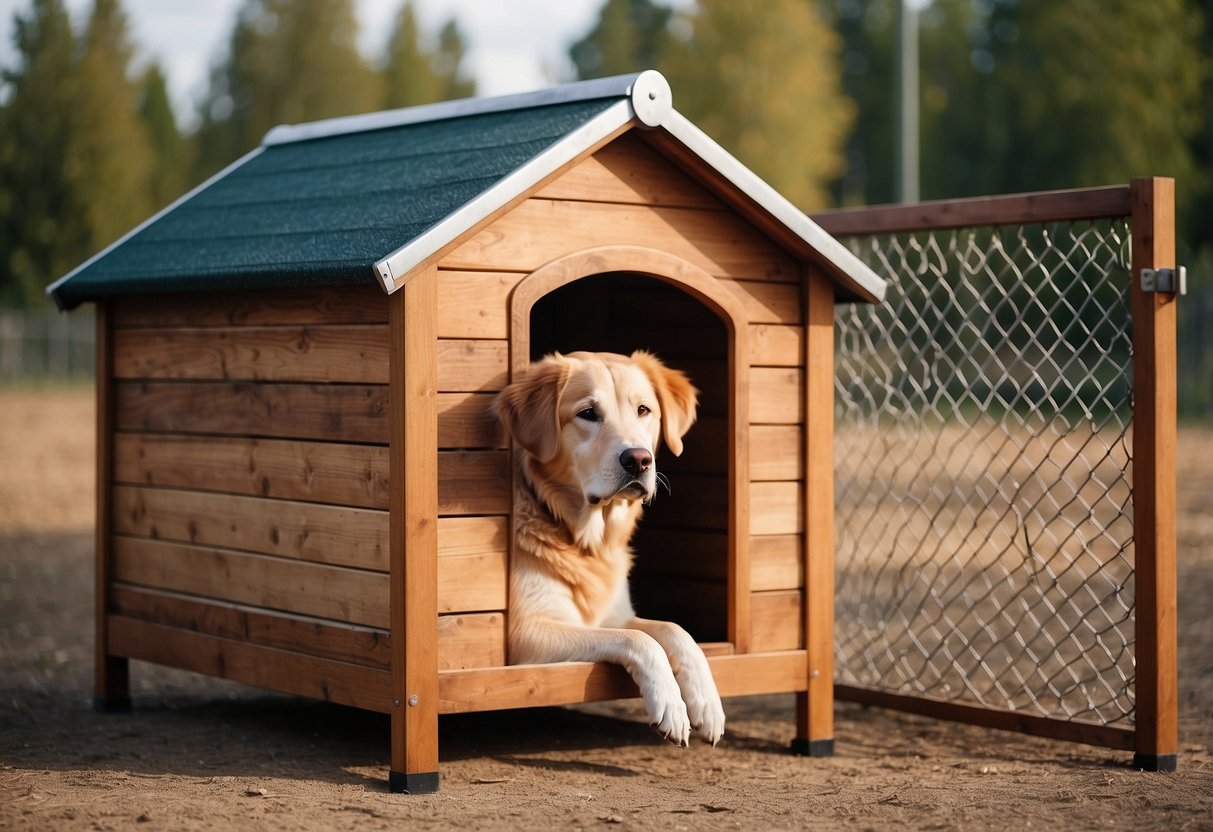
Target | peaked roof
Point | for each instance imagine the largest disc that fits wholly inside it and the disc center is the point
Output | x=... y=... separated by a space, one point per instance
x=349 y=200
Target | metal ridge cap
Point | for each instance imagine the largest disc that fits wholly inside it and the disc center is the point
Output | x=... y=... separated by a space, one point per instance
x=53 y=290
x=616 y=86
x=775 y=204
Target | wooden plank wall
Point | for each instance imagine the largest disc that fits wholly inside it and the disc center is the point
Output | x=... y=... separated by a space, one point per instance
x=627 y=194
x=250 y=490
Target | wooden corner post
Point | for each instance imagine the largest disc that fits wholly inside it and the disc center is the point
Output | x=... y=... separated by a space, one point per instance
x=815 y=707
x=414 y=534
x=111 y=691
x=1154 y=441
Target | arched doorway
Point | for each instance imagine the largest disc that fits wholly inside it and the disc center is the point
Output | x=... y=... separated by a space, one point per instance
x=692 y=564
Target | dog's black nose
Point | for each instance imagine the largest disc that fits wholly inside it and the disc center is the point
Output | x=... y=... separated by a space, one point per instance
x=636 y=461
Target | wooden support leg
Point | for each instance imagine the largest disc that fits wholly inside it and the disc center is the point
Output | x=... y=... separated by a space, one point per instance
x=815 y=707
x=111 y=689
x=414 y=535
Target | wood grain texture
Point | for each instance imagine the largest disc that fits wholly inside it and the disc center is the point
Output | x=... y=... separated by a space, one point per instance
x=415 y=579
x=776 y=508
x=1154 y=456
x=776 y=395
x=773 y=345
x=111 y=675
x=330 y=412
x=766 y=302
x=1013 y=209
x=474 y=304
x=350 y=354
x=630 y=172
x=714 y=241
x=473 y=482
x=284 y=631
x=354 y=596
x=777 y=619
x=469 y=365
x=334 y=535
x=320 y=472
x=815 y=708
x=300 y=307
x=776 y=562
x=776 y=452
x=466 y=420
x=344 y=683
x=543 y=685
x=471 y=640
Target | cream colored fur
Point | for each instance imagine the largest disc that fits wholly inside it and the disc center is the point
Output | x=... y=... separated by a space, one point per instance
x=575 y=510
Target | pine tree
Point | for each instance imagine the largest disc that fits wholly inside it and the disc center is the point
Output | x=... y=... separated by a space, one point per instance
x=42 y=233
x=415 y=74
x=168 y=147
x=629 y=37
x=109 y=161
x=767 y=87
x=288 y=61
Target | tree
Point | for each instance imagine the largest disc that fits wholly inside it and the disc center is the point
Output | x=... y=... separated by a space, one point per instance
x=42 y=232
x=288 y=61
x=109 y=159
x=415 y=74
x=168 y=148
x=767 y=87
x=630 y=36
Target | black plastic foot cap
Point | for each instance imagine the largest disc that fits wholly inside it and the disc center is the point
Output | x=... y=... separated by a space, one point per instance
x=424 y=783
x=813 y=748
x=112 y=704
x=1155 y=762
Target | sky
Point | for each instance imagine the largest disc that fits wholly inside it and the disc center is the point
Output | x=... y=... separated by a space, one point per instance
x=513 y=45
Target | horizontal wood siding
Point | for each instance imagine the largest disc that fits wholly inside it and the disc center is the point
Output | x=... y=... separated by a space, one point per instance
x=251 y=480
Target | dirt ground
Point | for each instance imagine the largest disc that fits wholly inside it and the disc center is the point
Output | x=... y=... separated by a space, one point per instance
x=198 y=753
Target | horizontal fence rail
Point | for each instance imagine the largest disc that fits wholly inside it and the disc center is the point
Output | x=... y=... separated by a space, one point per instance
x=984 y=414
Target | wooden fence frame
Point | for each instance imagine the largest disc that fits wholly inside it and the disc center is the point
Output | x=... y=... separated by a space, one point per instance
x=1149 y=205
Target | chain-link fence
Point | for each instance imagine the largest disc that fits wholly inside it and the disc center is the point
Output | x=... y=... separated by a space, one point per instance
x=985 y=528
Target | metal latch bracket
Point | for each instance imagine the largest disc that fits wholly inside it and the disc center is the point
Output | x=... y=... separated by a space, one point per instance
x=1172 y=281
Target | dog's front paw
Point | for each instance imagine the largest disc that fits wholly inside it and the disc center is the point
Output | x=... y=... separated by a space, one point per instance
x=706 y=715
x=667 y=712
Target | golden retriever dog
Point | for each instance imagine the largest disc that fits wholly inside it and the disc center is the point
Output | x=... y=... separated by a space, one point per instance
x=589 y=425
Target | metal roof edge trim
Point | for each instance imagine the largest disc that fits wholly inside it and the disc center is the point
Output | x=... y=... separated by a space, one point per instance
x=393 y=270
x=53 y=289
x=774 y=203
x=616 y=86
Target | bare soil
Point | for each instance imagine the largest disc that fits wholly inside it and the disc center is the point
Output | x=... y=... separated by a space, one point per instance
x=198 y=753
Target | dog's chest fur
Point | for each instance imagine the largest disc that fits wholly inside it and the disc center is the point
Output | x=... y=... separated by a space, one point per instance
x=593 y=568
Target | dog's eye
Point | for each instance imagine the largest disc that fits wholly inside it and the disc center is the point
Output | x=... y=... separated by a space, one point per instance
x=589 y=414
x=643 y=410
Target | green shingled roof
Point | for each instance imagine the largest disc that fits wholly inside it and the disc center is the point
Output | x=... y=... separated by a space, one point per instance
x=370 y=198
x=323 y=211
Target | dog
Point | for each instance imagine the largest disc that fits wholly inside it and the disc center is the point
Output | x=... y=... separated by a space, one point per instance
x=589 y=425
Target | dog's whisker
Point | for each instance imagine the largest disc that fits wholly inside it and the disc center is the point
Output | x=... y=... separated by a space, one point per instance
x=663 y=480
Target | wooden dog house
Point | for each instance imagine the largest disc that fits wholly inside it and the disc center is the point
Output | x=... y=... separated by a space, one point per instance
x=299 y=482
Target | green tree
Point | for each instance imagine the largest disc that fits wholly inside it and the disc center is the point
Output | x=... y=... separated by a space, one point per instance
x=415 y=74
x=768 y=88
x=109 y=159
x=288 y=61
x=168 y=147
x=630 y=36
x=42 y=232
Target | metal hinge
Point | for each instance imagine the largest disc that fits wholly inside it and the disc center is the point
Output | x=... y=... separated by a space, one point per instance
x=1172 y=281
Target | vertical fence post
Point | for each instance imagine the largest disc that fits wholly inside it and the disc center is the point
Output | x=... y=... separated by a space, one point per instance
x=1154 y=429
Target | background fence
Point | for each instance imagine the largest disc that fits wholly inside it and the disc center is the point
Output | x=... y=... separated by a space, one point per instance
x=987 y=566
x=41 y=343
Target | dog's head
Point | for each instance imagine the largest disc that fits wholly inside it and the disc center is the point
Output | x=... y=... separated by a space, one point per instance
x=593 y=421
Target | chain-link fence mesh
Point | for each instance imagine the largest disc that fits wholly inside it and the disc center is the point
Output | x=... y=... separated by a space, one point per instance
x=983 y=471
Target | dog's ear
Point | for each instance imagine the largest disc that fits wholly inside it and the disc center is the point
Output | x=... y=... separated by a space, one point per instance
x=676 y=396
x=528 y=409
